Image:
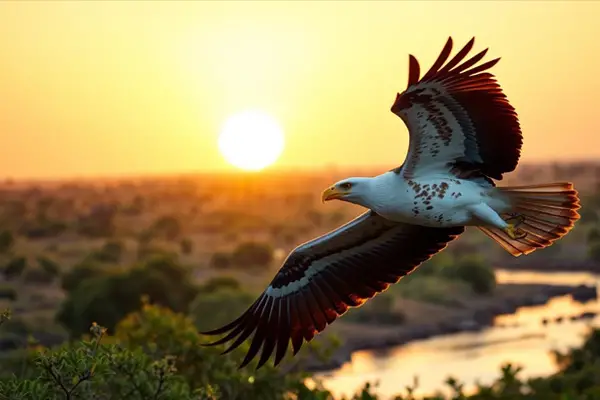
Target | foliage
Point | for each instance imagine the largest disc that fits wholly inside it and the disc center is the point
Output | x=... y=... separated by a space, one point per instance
x=220 y=260
x=49 y=266
x=220 y=282
x=7 y=240
x=14 y=268
x=111 y=296
x=593 y=235
x=8 y=292
x=588 y=215
x=378 y=310
x=219 y=307
x=110 y=252
x=81 y=272
x=167 y=227
x=99 y=222
x=252 y=254
x=475 y=272
x=186 y=246
x=38 y=275
x=594 y=251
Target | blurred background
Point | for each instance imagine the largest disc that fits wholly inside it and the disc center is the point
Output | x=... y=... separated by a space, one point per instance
x=160 y=159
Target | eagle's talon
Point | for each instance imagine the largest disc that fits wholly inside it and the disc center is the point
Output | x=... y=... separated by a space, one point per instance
x=515 y=233
x=515 y=220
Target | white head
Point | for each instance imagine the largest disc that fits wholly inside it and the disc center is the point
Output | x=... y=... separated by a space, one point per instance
x=351 y=190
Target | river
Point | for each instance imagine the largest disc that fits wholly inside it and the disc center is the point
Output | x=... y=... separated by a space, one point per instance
x=519 y=338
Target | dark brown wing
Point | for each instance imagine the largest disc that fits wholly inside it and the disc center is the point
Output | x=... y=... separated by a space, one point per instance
x=321 y=279
x=458 y=118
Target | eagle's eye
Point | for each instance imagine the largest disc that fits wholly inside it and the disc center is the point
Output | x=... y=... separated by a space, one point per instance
x=346 y=186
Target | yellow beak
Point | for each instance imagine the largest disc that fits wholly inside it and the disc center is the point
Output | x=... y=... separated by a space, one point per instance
x=331 y=193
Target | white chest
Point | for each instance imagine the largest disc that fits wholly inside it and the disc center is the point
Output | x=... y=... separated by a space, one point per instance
x=438 y=202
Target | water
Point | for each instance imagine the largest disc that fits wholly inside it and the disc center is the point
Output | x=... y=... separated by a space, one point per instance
x=519 y=338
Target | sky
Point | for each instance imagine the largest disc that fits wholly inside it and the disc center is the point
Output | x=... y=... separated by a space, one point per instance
x=127 y=88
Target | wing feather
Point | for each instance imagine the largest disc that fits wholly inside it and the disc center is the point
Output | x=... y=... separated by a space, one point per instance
x=459 y=119
x=321 y=279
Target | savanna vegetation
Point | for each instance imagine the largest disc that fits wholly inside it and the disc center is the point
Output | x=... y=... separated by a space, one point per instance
x=109 y=283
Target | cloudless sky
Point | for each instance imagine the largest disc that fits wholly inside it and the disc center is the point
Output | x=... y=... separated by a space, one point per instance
x=111 y=88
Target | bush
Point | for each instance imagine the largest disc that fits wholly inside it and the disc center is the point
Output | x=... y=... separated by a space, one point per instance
x=49 y=266
x=594 y=251
x=378 y=310
x=219 y=283
x=220 y=260
x=38 y=275
x=99 y=222
x=593 y=235
x=7 y=241
x=253 y=254
x=42 y=228
x=86 y=270
x=14 y=268
x=186 y=246
x=110 y=252
x=213 y=309
x=167 y=227
x=588 y=215
x=110 y=297
x=474 y=271
x=8 y=293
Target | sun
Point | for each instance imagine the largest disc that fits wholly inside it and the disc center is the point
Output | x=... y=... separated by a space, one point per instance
x=251 y=140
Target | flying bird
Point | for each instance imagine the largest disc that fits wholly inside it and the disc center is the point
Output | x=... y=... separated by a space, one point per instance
x=464 y=134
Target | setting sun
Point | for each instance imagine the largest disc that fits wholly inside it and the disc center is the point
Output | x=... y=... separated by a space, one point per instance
x=251 y=140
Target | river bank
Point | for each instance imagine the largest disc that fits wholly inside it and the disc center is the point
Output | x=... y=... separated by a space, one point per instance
x=426 y=320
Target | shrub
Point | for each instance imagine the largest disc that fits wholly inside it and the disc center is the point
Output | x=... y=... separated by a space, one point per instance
x=378 y=310
x=14 y=268
x=86 y=270
x=186 y=246
x=253 y=254
x=588 y=215
x=8 y=293
x=593 y=235
x=168 y=227
x=110 y=297
x=7 y=241
x=220 y=260
x=48 y=265
x=218 y=283
x=594 y=251
x=99 y=222
x=213 y=309
x=110 y=252
x=474 y=271
x=38 y=275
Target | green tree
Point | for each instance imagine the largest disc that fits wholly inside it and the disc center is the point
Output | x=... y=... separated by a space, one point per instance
x=14 y=268
x=7 y=241
x=253 y=254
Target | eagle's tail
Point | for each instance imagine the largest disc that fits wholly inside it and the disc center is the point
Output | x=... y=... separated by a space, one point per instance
x=543 y=213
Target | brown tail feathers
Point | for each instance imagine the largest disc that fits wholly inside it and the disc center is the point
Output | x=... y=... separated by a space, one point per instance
x=545 y=213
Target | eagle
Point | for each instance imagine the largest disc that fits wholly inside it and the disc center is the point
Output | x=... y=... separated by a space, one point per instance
x=463 y=135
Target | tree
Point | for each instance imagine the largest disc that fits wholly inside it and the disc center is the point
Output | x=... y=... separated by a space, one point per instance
x=14 y=268
x=7 y=241
x=253 y=254
x=111 y=296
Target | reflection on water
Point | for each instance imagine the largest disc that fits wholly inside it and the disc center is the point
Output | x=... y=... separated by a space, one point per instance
x=520 y=338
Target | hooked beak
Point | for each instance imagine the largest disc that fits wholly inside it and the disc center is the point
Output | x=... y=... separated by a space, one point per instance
x=332 y=193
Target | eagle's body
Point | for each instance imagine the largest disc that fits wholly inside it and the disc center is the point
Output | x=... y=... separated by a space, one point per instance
x=435 y=201
x=464 y=134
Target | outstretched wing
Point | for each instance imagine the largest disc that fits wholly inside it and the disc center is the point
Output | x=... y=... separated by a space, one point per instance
x=458 y=118
x=322 y=278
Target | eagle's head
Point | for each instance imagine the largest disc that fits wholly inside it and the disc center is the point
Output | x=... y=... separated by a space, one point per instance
x=352 y=190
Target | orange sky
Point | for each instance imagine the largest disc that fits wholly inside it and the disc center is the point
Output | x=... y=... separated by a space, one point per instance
x=111 y=88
